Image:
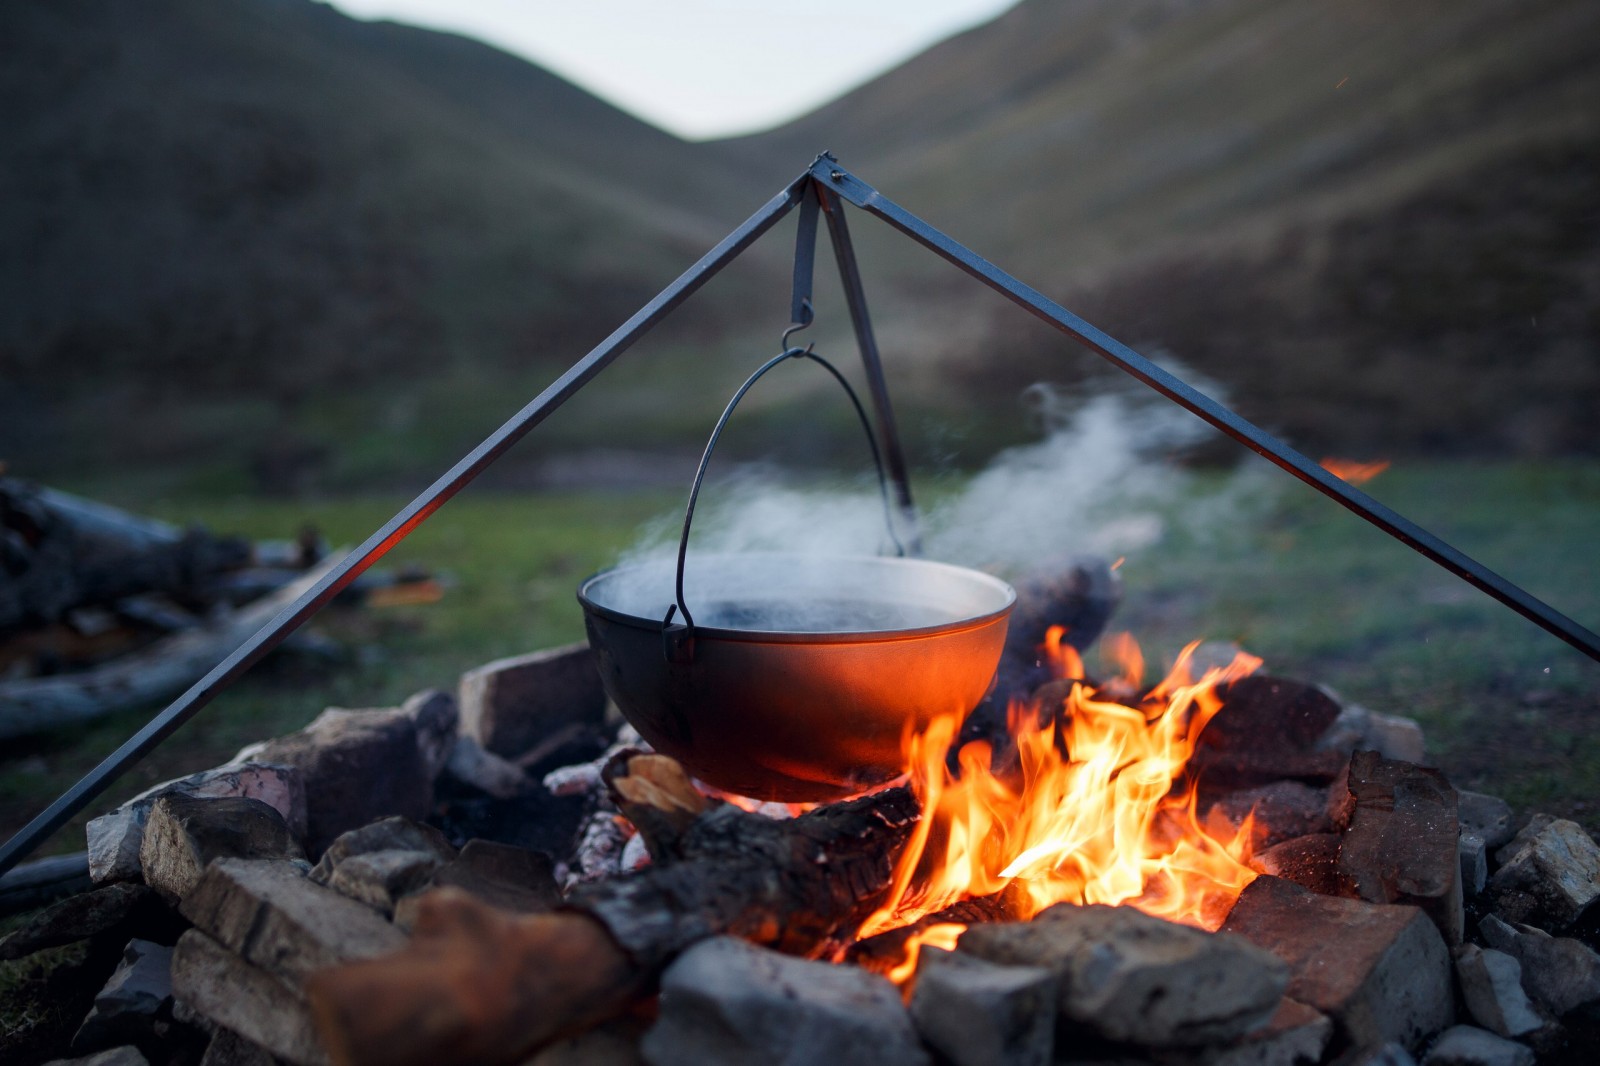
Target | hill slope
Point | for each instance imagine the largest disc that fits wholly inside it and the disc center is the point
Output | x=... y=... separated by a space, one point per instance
x=223 y=219
x=1320 y=205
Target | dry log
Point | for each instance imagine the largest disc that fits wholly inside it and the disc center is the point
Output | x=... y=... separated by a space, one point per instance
x=479 y=986
x=156 y=672
x=64 y=553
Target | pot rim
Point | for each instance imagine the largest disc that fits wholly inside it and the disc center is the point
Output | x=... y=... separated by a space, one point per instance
x=839 y=636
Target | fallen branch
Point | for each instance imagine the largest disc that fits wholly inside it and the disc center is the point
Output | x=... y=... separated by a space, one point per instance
x=154 y=673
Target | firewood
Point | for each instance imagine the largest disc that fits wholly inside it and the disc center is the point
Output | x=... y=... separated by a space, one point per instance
x=476 y=985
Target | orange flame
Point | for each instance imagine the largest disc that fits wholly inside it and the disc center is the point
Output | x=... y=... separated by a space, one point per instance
x=1353 y=472
x=1097 y=809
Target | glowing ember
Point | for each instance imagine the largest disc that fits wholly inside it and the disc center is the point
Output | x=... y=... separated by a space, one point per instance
x=1354 y=473
x=1097 y=807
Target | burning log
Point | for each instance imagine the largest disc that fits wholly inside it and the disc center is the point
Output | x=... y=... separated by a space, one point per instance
x=477 y=985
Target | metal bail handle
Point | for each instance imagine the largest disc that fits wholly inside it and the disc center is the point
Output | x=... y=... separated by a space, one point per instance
x=678 y=637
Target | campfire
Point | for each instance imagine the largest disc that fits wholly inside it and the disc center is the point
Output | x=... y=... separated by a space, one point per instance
x=1222 y=866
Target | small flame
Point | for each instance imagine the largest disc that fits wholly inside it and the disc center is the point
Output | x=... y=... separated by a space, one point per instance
x=1353 y=472
x=1098 y=807
x=939 y=935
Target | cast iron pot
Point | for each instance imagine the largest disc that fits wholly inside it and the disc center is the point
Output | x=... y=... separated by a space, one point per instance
x=801 y=675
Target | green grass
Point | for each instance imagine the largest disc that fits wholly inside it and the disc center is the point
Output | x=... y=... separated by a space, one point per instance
x=1318 y=594
x=1321 y=596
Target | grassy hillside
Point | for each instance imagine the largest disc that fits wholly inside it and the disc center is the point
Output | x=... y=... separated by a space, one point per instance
x=257 y=229
x=1373 y=223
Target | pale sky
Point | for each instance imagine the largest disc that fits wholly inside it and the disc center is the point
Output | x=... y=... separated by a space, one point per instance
x=701 y=68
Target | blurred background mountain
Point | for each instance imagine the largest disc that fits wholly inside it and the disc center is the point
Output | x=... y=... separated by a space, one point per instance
x=258 y=244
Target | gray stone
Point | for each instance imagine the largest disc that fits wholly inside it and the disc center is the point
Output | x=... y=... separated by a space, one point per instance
x=1380 y=971
x=471 y=764
x=1561 y=974
x=435 y=717
x=126 y=1010
x=79 y=917
x=1487 y=817
x=1464 y=1045
x=358 y=766
x=1401 y=844
x=114 y=838
x=118 y=1056
x=186 y=832
x=1295 y=1034
x=1474 y=855
x=218 y=985
x=1524 y=835
x=1491 y=986
x=510 y=705
x=386 y=834
x=380 y=879
x=726 y=1002
x=1394 y=737
x=978 y=1013
x=1390 y=1054
x=228 y=1048
x=276 y=918
x=1548 y=877
x=1129 y=977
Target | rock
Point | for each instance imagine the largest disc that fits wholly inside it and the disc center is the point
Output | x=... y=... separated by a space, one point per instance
x=1401 y=845
x=510 y=705
x=726 y=1001
x=1261 y=712
x=1561 y=974
x=1463 y=1045
x=358 y=766
x=185 y=833
x=81 y=917
x=1395 y=738
x=1384 y=1055
x=1294 y=1034
x=1491 y=986
x=1381 y=972
x=1283 y=810
x=1535 y=825
x=121 y=1056
x=485 y=771
x=217 y=985
x=1487 y=817
x=511 y=878
x=276 y=918
x=1549 y=876
x=385 y=834
x=228 y=1048
x=114 y=838
x=1310 y=861
x=1474 y=856
x=978 y=1013
x=138 y=994
x=380 y=879
x=435 y=717
x=1128 y=977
